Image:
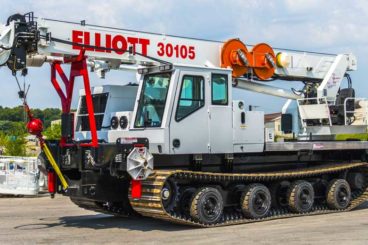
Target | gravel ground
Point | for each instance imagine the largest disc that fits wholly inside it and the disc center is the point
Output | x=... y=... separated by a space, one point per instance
x=43 y=221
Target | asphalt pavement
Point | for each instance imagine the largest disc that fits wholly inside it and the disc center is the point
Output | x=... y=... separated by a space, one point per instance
x=43 y=220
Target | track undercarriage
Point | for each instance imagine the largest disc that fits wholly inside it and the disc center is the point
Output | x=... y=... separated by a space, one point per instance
x=207 y=199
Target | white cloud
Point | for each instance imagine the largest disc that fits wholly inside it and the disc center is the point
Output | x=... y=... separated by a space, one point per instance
x=301 y=6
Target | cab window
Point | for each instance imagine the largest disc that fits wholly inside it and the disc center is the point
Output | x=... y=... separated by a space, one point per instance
x=219 y=89
x=152 y=101
x=191 y=96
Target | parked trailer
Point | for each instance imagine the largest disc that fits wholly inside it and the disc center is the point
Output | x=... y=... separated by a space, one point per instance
x=19 y=176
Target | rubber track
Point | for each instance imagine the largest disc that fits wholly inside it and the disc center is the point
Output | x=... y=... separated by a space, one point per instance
x=150 y=204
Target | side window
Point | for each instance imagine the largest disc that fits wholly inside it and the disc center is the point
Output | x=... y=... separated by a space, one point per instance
x=219 y=89
x=191 y=96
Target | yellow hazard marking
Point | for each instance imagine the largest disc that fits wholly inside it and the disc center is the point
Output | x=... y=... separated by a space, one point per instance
x=55 y=166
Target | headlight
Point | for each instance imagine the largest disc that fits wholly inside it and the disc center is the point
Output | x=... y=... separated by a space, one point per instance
x=114 y=122
x=123 y=122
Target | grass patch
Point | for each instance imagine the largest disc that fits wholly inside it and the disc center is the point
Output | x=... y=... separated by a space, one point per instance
x=343 y=137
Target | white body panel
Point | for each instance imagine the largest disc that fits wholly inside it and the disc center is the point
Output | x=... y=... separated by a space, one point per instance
x=220 y=129
x=173 y=49
x=205 y=52
x=208 y=129
x=120 y=98
x=192 y=131
x=247 y=136
x=332 y=79
x=314 y=111
x=212 y=129
x=269 y=135
x=157 y=137
x=265 y=89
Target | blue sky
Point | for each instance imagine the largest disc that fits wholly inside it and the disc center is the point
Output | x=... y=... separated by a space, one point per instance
x=336 y=26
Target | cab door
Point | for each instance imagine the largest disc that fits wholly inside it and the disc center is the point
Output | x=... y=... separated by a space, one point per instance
x=189 y=119
x=220 y=114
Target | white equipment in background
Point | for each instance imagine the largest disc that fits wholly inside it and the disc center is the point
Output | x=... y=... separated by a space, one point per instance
x=19 y=176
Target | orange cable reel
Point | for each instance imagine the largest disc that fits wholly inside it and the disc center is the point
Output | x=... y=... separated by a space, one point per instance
x=234 y=55
x=262 y=59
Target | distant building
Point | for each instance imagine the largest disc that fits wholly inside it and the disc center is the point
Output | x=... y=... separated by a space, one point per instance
x=32 y=145
x=56 y=122
x=273 y=121
x=360 y=112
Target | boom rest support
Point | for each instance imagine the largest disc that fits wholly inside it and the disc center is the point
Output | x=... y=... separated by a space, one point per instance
x=78 y=68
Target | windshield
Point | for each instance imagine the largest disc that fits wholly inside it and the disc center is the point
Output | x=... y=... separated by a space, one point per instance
x=152 y=100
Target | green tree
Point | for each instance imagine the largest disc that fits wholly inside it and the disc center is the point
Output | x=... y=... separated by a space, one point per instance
x=12 y=128
x=15 y=146
x=49 y=115
x=16 y=114
x=3 y=142
x=53 y=132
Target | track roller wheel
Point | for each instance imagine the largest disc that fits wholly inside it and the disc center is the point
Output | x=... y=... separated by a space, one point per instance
x=255 y=201
x=356 y=181
x=300 y=196
x=169 y=195
x=185 y=198
x=278 y=192
x=338 y=194
x=207 y=205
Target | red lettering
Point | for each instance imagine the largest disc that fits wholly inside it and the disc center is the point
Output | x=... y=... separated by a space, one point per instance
x=108 y=43
x=77 y=37
x=176 y=48
x=192 y=54
x=161 y=49
x=119 y=44
x=98 y=42
x=133 y=41
x=144 y=43
x=119 y=49
x=87 y=41
x=183 y=52
x=169 y=50
x=179 y=51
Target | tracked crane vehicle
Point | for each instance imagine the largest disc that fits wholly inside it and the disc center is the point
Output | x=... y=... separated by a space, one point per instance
x=174 y=145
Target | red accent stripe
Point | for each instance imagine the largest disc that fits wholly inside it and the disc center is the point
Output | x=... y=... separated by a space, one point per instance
x=51 y=178
x=136 y=187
